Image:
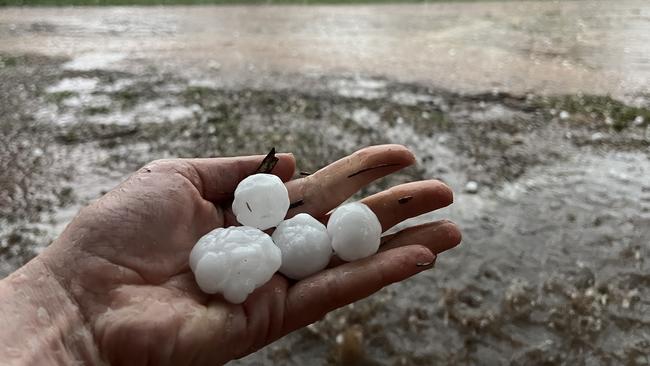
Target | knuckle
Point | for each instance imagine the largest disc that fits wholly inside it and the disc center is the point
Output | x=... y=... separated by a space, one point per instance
x=158 y=165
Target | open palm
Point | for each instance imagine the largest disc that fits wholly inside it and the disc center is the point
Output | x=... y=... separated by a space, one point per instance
x=124 y=259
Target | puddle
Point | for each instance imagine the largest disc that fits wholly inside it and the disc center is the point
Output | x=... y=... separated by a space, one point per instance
x=75 y=85
x=548 y=47
x=94 y=61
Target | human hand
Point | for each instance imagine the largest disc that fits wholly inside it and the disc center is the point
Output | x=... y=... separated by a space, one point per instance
x=123 y=261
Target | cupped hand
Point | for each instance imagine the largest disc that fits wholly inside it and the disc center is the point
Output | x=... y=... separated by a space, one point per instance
x=123 y=261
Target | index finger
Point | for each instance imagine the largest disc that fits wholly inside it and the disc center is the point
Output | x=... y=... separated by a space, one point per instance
x=322 y=191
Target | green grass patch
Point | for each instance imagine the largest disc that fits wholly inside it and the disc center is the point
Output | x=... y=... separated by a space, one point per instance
x=96 y=110
x=127 y=98
x=598 y=109
x=9 y=60
x=58 y=97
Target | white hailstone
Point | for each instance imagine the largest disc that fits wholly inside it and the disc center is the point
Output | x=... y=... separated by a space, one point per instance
x=564 y=115
x=355 y=231
x=471 y=187
x=638 y=120
x=261 y=201
x=597 y=136
x=305 y=245
x=234 y=261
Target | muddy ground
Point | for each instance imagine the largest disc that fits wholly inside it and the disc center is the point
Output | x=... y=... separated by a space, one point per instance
x=553 y=267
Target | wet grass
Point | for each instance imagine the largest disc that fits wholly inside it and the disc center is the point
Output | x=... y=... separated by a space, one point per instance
x=127 y=98
x=58 y=97
x=10 y=61
x=89 y=132
x=598 y=110
x=96 y=110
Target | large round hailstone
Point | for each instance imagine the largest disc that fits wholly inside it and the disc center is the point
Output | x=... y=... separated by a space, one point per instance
x=305 y=245
x=261 y=201
x=355 y=231
x=234 y=261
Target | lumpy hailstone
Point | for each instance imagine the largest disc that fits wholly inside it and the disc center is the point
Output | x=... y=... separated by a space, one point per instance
x=261 y=201
x=305 y=245
x=234 y=261
x=355 y=231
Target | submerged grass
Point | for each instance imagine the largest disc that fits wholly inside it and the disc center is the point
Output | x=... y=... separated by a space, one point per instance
x=599 y=110
x=9 y=60
x=58 y=97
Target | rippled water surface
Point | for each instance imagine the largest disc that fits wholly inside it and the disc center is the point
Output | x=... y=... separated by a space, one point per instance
x=536 y=113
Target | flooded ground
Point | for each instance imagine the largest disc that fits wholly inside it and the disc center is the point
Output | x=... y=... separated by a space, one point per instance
x=547 y=47
x=553 y=267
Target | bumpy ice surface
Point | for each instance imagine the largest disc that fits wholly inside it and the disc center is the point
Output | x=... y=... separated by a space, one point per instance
x=355 y=231
x=305 y=245
x=234 y=261
x=261 y=201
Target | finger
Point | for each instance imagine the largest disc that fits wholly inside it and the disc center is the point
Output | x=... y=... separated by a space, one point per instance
x=437 y=236
x=328 y=187
x=310 y=299
x=218 y=177
x=402 y=202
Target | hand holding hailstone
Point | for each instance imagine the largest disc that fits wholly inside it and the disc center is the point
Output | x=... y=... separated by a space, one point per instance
x=237 y=260
x=121 y=265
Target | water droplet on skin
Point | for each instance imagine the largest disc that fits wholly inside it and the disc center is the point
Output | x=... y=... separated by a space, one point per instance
x=43 y=316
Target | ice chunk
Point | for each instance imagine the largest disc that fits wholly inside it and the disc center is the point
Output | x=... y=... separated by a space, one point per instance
x=564 y=115
x=355 y=231
x=305 y=245
x=234 y=261
x=471 y=187
x=261 y=201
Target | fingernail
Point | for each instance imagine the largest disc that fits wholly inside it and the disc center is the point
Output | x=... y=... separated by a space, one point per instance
x=427 y=263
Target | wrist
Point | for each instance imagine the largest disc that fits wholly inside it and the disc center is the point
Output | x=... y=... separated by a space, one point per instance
x=39 y=321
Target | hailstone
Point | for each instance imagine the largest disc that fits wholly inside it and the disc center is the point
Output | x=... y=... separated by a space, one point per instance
x=305 y=245
x=261 y=201
x=355 y=231
x=234 y=261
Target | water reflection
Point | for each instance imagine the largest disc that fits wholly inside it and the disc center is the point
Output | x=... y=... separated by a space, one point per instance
x=547 y=47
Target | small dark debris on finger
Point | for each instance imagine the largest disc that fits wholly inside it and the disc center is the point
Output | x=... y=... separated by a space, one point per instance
x=404 y=199
x=296 y=204
x=269 y=162
x=386 y=165
x=424 y=264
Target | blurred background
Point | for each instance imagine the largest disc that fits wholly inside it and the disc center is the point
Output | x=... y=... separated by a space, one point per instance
x=537 y=113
